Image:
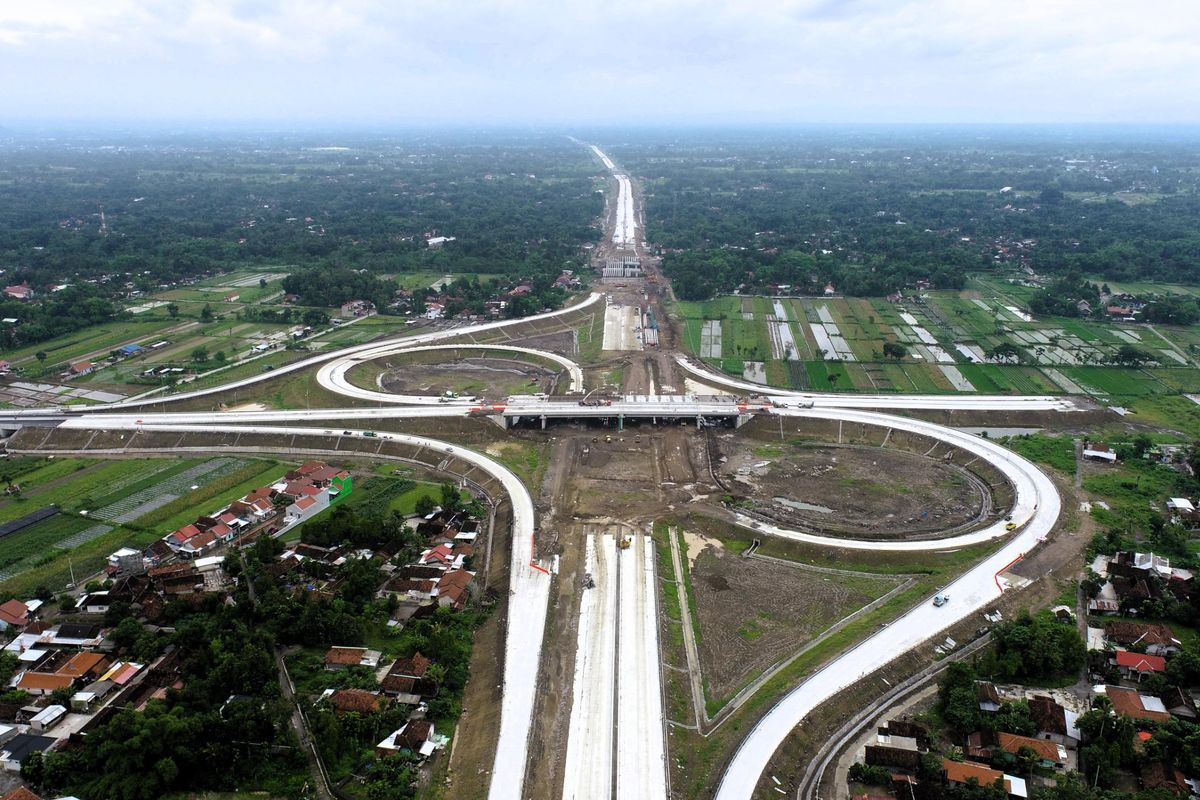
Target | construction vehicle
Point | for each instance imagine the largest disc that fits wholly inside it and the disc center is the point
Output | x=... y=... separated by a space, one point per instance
x=624 y=542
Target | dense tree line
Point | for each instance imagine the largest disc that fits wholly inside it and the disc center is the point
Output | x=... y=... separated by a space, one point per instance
x=873 y=210
x=181 y=207
x=56 y=313
x=333 y=287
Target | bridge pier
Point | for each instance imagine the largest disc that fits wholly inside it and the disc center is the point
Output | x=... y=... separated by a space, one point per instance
x=543 y=421
x=500 y=420
x=699 y=421
x=620 y=422
x=742 y=419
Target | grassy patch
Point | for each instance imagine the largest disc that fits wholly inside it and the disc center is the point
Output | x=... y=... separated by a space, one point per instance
x=1054 y=451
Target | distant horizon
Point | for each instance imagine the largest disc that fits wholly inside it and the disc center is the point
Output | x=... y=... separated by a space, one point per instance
x=237 y=126
x=580 y=63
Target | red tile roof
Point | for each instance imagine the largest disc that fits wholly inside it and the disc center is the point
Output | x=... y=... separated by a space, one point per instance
x=345 y=655
x=1127 y=702
x=1140 y=662
x=45 y=682
x=1011 y=743
x=14 y=612
x=357 y=700
x=963 y=771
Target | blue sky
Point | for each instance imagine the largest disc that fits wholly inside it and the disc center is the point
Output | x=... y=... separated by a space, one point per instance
x=648 y=62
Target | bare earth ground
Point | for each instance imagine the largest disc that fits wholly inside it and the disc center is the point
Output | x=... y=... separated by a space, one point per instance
x=493 y=378
x=852 y=489
x=752 y=613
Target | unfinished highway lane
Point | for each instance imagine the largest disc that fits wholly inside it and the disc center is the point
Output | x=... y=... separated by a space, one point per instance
x=928 y=402
x=616 y=710
x=529 y=586
x=1037 y=508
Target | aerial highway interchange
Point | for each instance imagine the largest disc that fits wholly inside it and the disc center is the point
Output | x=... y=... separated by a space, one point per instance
x=616 y=740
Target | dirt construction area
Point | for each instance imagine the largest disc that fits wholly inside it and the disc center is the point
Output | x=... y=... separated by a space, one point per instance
x=852 y=489
x=483 y=377
x=753 y=612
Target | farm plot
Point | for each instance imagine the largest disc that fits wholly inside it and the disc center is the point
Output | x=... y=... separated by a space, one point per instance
x=828 y=334
x=1114 y=380
x=22 y=549
x=710 y=339
x=752 y=613
x=166 y=490
x=66 y=482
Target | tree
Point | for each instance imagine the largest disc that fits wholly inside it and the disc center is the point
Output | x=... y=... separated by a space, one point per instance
x=206 y=313
x=1005 y=352
x=262 y=283
x=1130 y=356
x=40 y=356
x=425 y=505
x=200 y=354
x=173 y=310
x=451 y=497
x=833 y=379
x=894 y=350
x=219 y=357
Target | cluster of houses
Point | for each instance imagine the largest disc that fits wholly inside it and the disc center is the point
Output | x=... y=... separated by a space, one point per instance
x=405 y=682
x=1129 y=579
x=296 y=496
x=989 y=756
x=68 y=678
x=439 y=578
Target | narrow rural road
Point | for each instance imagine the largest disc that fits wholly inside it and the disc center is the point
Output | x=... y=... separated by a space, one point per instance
x=320 y=781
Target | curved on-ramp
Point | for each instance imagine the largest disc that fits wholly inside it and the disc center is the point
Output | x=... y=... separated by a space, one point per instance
x=332 y=375
x=930 y=402
x=1037 y=508
x=345 y=352
x=529 y=586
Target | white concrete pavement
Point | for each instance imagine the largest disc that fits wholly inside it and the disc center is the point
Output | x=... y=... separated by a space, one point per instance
x=641 y=750
x=1038 y=504
x=588 y=771
x=932 y=402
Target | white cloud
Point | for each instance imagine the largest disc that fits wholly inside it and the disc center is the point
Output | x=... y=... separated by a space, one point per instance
x=617 y=61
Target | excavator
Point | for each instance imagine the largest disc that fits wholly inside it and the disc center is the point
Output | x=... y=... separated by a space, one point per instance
x=624 y=542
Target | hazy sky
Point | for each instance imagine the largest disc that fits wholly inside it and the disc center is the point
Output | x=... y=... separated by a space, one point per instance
x=584 y=61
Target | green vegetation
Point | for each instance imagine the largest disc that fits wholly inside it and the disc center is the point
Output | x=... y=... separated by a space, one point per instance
x=1054 y=451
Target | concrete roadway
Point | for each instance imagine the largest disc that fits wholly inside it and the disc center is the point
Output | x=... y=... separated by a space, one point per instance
x=1038 y=505
x=332 y=375
x=902 y=401
x=344 y=353
x=529 y=589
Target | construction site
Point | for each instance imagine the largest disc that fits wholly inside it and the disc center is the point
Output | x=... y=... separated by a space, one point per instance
x=697 y=550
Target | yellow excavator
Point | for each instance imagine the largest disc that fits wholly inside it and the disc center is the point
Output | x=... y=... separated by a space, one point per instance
x=624 y=542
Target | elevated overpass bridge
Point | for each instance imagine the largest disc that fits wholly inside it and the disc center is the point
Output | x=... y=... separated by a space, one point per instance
x=518 y=410
x=666 y=409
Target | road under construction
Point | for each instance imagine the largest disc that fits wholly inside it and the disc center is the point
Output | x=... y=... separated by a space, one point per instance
x=615 y=741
